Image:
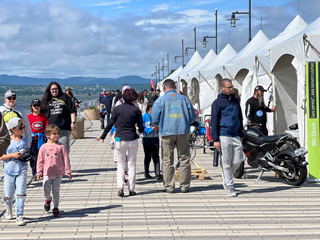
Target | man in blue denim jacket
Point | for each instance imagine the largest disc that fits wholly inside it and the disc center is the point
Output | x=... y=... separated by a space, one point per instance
x=173 y=114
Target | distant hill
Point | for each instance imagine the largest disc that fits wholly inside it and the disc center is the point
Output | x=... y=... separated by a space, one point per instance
x=16 y=80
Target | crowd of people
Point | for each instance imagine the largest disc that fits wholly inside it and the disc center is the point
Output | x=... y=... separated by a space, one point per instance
x=43 y=137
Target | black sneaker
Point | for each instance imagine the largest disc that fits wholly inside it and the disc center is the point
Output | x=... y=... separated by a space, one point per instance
x=56 y=212
x=120 y=192
x=47 y=206
x=132 y=193
x=147 y=176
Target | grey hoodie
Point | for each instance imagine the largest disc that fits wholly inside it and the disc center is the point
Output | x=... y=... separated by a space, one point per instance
x=27 y=132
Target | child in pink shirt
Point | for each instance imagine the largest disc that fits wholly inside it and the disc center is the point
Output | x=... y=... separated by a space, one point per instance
x=53 y=162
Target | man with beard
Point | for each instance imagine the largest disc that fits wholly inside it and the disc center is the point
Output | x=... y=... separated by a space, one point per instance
x=256 y=110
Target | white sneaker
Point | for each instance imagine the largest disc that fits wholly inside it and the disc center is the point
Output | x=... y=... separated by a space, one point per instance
x=8 y=214
x=231 y=192
x=20 y=221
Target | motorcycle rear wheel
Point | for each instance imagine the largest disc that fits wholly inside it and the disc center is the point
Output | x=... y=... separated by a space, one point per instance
x=297 y=174
x=291 y=143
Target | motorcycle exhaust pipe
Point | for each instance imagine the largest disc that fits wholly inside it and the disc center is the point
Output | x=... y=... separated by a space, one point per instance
x=278 y=167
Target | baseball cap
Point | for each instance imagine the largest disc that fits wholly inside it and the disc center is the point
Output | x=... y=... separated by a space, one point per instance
x=260 y=88
x=68 y=88
x=35 y=101
x=10 y=93
x=158 y=90
x=14 y=122
x=104 y=90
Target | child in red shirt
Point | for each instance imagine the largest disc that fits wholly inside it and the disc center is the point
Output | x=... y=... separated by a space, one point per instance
x=38 y=122
x=53 y=162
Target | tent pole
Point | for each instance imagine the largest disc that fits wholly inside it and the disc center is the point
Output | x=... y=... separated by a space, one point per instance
x=269 y=75
x=205 y=80
x=311 y=45
x=228 y=73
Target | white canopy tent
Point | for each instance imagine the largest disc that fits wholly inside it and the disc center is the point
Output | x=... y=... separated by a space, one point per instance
x=171 y=76
x=288 y=71
x=259 y=62
x=243 y=77
x=186 y=86
x=205 y=75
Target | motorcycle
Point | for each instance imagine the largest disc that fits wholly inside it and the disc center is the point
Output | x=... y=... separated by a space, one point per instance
x=279 y=153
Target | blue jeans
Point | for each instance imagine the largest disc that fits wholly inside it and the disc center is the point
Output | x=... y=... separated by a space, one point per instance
x=108 y=115
x=16 y=183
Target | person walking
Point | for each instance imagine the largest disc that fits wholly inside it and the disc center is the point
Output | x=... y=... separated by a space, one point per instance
x=226 y=131
x=173 y=114
x=106 y=99
x=38 y=122
x=75 y=101
x=142 y=102
x=150 y=141
x=256 y=110
x=126 y=115
x=15 y=171
x=102 y=113
x=53 y=162
x=59 y=109
x=10 y=109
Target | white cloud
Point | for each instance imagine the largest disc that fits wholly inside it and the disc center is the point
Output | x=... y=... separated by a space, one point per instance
x=8 y=30
x=118 y=7
x=110 y=3
x=161 y=7
x=53 y=39
x=205 y=2
x=191 y=16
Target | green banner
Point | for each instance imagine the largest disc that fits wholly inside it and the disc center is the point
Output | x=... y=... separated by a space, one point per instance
x=313 y=118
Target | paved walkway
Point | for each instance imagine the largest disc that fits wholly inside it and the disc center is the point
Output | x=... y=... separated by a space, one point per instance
x=91 y=209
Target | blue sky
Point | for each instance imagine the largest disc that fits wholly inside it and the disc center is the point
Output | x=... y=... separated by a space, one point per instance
x=113 y=38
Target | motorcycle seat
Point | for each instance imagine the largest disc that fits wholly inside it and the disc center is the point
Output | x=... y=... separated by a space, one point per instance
x=271 y=139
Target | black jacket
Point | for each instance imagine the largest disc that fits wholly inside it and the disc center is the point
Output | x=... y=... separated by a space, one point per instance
x=126 y=116
x=255 y=113
x=107 y=101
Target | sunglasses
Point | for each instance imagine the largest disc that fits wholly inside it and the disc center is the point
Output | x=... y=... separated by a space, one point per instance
x=229 y=87
x=36 y=105
x=11 y=98
x=21 y=128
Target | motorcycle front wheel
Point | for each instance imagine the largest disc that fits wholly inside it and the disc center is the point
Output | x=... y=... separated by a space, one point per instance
x=297 y=174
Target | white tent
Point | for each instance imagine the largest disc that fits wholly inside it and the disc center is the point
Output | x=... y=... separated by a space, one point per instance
x=194 y=61
x=207 y=75
x=187 y=86
x=288 y=70
x=171 y=76
x=189 y=83
x=259 y=62
x=243 y=77
x=205 y=80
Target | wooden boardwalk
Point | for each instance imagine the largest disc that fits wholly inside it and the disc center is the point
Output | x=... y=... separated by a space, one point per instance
x=91 y=209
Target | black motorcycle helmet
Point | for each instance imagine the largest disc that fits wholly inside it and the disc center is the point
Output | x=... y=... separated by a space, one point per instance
x=26 y=155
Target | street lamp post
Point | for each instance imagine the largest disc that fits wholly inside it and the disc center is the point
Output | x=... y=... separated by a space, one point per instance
x=182 y=55
x=204 y=42
x=233 y=19
x=163 y=66
x=195 y=42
